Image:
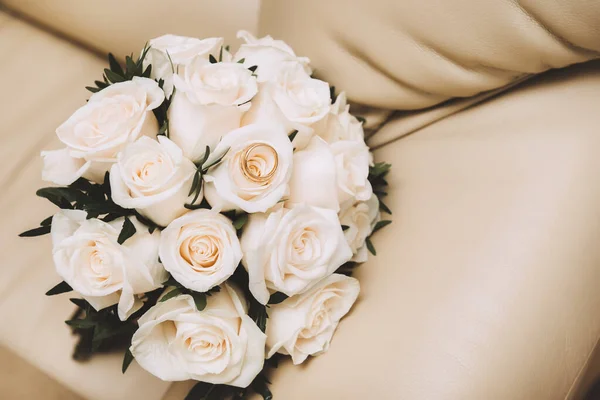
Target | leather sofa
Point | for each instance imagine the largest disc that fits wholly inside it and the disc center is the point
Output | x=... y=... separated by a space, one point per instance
x=486 y=284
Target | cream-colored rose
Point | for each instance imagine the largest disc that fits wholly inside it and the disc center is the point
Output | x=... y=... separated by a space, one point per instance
x=352 y=160
x=291 y=250
x=360 y=217
x=98 y=131
x=313 y=180
x=89 y=258
x=154 y=178
x=304 y=325
x=169 y=53
x=200 y=250
x=268 y=54
x=294 y=100
x=253 y=176
x=339 y=124
x=220 y=345
x=209 y=103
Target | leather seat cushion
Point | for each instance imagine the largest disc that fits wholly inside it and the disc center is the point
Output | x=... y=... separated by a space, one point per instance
x=485 y=285
x=412 y=54
x=122 y=27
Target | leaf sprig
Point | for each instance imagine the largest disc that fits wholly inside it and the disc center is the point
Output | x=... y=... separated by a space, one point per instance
x=200 y=298
x=115 y=73
x=201 y=169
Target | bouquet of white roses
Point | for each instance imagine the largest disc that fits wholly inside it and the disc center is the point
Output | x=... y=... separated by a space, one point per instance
x=212 y=207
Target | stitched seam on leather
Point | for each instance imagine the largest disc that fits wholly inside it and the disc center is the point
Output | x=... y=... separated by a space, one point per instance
x=582 y=371
x=558 y=38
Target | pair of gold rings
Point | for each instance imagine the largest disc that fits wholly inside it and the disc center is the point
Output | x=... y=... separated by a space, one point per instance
x=248 y=172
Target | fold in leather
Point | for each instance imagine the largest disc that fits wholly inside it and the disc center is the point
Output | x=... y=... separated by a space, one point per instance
x=413 y=54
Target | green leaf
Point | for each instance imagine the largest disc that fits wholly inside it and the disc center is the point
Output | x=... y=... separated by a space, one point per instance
x=127 y=231
x=370 y=246
x=292 y=135
x=240 y=221
x=114 y=64
x=253 y=68
x=360 y=119
x=277 y=298
x=147 y=72
x=384 y=208
x=199 y=300
x=127 y=359
x=205 y=156
x=199 y=391
x=113 y=76
x=93 y=89
x=171 y=294
x=42 y=230
x=260 y=386
x=381 y=224
x=215 y=162
x=212 y=59
x=258 y=313
x=81 y=303
x=131 y=67
x=47 y=221
x=345 y=227
x=221 y=54
x=194 y=183
x=332 y=94
x=172 y=282
x=81 y=323
x=62 y=287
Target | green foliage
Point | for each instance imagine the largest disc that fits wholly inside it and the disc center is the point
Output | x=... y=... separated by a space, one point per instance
x=102 y=331
x=260 y=386
x=127 y=359
x=277 y=298
x=62 y=287
x=292 y=135
x=200 y=299
x=202 y=168
x=127 y=231
x=115 y=73
x=240 y=221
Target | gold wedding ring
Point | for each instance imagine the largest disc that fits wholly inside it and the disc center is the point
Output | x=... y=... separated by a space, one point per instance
x=249 y=173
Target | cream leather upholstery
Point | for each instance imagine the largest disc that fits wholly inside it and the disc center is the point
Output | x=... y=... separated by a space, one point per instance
x=122 y=27
x=484 y=287
x=412 y=54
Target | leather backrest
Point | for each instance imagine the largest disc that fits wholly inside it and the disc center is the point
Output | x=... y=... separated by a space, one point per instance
x=411 y=54
x=123 y=26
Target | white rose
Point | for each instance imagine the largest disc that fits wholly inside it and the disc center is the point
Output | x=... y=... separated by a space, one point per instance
x=209 y=102
x=219 y=345
x=253 y=176
x=96 y=132
x=89 y=258
x=154 y=178
x=352 y=160
x=293 y=99
x=200 y=250
x=268 y=55
x=360 y=217
x=313 y=180
x=339 y=124
x=168 y=53
x=291 y=250
x=304 y=325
